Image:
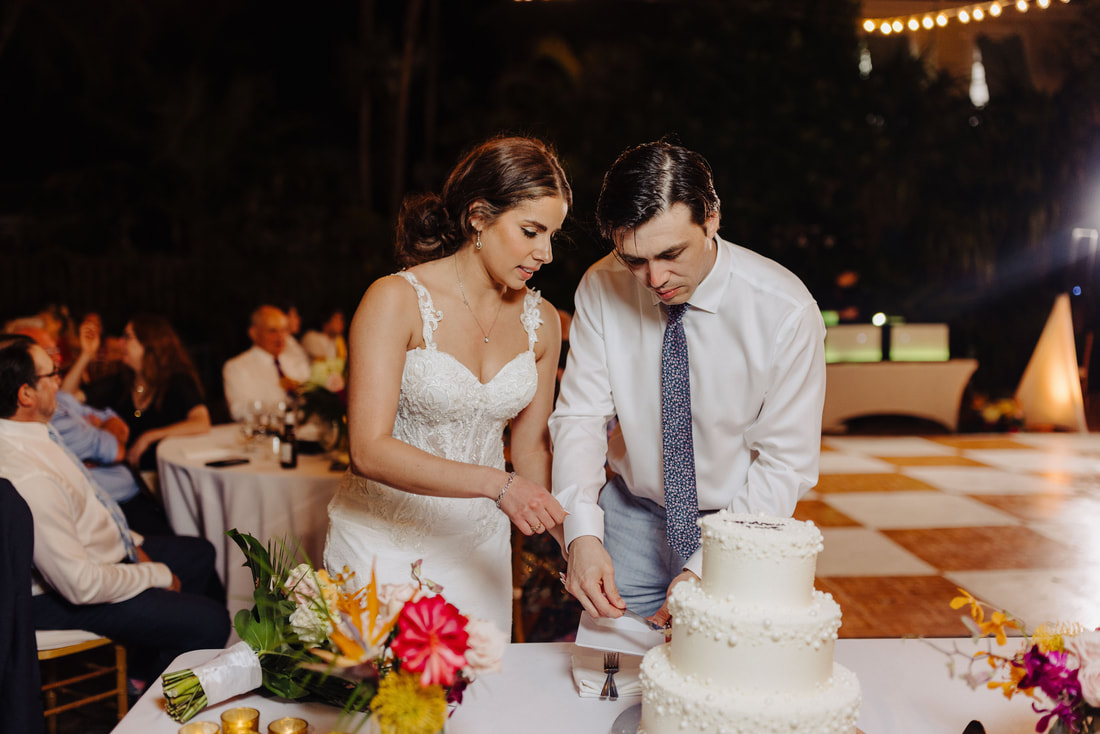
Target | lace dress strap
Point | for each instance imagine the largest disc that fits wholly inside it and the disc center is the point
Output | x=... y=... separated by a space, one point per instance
x=531 y=318
x=428 y=315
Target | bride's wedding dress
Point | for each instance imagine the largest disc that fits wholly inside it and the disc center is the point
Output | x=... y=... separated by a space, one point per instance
x=464 y=543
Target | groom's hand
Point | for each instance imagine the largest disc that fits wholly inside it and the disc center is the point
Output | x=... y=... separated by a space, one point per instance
x=661 y=617
x=591 y=578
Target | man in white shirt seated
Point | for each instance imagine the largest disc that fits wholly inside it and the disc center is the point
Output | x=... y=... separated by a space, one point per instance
x=720 y=410
x=91 y=571
x=266 y=373
x=98 y=438
x=293 y=349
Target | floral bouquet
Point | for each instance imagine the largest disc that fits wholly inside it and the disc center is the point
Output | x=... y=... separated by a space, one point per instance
x=401 y=652
x=1002 y=414
x=324 y=397
x=1056 y=665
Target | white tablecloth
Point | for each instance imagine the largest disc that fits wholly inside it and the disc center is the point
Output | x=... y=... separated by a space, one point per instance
x=906 y=690
x=930 y=390
x=260 y=498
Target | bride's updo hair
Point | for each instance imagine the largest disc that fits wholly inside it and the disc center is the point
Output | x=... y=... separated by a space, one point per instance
x=492 y=178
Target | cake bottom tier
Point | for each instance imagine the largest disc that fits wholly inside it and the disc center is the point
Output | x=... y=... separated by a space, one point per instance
x=673 y=704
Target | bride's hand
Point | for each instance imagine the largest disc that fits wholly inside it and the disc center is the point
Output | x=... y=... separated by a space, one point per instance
x=530 y=507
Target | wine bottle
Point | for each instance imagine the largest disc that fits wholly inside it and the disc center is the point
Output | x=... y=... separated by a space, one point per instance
x=288 y=449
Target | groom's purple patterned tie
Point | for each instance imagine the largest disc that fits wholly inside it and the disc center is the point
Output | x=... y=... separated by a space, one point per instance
x=678 y=453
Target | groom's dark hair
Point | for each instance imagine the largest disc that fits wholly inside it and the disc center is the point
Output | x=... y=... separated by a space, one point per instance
x=648 y=179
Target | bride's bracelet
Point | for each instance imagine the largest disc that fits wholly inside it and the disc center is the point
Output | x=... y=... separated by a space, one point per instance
x=500 y=497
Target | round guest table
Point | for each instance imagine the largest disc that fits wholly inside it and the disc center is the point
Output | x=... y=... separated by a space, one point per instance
x=259 y=497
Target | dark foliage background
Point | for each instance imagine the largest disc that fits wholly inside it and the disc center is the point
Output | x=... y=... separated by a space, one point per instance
x=196 y=158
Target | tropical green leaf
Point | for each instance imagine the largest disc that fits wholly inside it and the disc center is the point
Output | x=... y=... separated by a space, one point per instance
x=257 y=557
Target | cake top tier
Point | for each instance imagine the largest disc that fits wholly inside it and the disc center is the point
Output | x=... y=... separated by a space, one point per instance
x=762 y=536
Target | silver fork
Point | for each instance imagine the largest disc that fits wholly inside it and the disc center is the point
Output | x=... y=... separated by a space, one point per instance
x=611 y=667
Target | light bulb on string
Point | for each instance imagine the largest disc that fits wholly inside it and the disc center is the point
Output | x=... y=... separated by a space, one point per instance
x=963 y=13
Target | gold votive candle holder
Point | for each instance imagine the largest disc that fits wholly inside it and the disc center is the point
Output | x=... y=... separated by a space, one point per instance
x=287 y=725
x=200 y=727
x=240 y=720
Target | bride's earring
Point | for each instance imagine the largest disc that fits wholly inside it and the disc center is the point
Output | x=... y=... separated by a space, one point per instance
x=477 y=244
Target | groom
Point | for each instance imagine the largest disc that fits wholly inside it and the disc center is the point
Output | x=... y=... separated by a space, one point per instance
x=710 y=357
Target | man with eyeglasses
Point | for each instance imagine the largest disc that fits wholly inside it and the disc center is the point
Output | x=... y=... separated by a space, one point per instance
x=91 y=571
x=98 y=438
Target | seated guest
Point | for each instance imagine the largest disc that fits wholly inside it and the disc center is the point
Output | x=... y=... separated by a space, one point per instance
x=157 y=392
x=89 y=366
x=91 y=571
x=262 y=374
x=328 y=342
x=293 y=351
x=98 y=438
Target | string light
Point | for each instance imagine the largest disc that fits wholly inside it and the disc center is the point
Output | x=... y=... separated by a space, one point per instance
x=963 y=13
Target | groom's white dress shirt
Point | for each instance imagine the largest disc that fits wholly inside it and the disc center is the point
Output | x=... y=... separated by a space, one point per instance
x=757 y=367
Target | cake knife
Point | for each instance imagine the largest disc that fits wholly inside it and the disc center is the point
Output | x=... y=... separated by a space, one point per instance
x=639 y=618
x=634 y=615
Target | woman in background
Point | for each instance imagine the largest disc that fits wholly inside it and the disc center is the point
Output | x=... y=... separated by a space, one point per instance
x=157 y=394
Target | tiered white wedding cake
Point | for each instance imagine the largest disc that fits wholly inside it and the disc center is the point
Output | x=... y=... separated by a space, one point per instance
x=752 y=644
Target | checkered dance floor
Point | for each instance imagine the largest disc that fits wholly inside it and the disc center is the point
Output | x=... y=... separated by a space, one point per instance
x=1013 y=518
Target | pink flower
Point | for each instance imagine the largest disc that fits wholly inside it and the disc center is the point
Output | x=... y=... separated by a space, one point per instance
x=334 y=382
x=487 y=644
x=431 y=640
x=1086 y=648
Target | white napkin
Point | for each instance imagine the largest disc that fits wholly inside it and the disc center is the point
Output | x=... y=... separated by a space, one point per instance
x=617 y=634
x=589 y=676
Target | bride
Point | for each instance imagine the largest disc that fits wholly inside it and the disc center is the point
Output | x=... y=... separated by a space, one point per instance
x=442 y=356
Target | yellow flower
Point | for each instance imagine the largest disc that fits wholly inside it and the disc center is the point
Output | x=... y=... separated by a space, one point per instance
x=1011 y=686
x=403 y=706
x=997 y=625
x=975 y=605
x=1051 y=637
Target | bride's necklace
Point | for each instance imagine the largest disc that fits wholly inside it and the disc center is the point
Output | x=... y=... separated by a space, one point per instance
x=466 y=303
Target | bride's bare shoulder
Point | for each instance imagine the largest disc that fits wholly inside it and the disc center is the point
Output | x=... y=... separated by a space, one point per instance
x=390 y=299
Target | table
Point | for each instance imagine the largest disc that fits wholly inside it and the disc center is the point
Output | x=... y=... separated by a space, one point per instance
x=930 y=390
x=906 y=690
x=260 y=498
